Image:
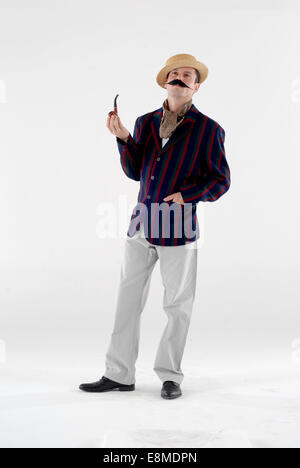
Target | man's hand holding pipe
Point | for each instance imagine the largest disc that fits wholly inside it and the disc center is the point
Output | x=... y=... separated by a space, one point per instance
x=116 y=127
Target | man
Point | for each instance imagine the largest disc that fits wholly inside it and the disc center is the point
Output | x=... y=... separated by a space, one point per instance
x=177 y=154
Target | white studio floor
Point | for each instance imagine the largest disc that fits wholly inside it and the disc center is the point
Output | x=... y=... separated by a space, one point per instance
x=256 y=405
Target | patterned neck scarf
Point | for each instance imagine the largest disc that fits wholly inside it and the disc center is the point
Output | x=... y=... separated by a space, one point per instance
x=170 y=120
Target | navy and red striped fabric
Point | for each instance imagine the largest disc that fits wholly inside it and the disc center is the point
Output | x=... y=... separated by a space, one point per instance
x=192 y=162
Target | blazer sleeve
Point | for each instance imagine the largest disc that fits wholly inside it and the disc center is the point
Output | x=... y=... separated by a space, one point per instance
x=131 y=152
x=215 y=180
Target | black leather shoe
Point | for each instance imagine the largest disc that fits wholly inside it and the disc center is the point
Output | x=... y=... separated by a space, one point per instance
x=170 y=390
x=106 y=385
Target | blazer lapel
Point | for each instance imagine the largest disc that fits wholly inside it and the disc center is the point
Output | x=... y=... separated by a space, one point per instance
x=181 y=131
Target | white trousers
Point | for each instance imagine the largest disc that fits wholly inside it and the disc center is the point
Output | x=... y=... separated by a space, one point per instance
x=178 y=267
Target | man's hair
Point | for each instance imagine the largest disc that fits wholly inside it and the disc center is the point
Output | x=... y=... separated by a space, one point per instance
x=197 y=80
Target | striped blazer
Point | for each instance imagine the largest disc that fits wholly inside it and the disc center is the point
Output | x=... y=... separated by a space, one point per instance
x=192 y=162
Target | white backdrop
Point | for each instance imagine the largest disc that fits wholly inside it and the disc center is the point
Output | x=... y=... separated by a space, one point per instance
x=61 y=64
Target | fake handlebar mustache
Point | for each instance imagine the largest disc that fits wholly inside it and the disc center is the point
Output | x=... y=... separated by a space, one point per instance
x=179 y=82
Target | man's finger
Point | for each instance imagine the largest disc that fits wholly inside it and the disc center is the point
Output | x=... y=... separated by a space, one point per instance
x=109 y=126
x=113 y=124
x=117 y=123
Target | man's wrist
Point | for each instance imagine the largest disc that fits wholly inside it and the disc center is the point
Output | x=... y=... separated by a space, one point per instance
x=122 y=141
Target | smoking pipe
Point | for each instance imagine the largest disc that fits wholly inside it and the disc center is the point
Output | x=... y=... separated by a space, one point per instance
x=115 y=111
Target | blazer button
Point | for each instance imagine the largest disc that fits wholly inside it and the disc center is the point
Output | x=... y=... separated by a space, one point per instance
x=157 y=159
x=152 y=177
x=148 y=196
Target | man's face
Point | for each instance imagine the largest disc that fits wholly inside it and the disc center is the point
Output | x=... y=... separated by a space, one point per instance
x=185 y=74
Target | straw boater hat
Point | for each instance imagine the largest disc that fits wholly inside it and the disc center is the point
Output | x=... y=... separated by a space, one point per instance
x=181 y=60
